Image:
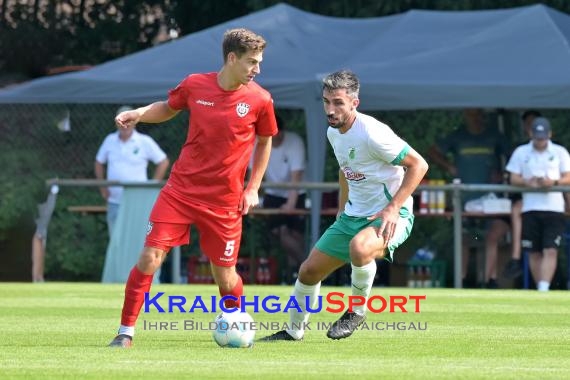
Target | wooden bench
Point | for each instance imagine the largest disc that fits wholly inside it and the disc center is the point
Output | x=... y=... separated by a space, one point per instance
x=84 y=210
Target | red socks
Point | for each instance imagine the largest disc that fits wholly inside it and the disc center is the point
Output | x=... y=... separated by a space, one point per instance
x=237 y=291
x=137 y=285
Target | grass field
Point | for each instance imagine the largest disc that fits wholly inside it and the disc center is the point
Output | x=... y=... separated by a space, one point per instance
x=57 y=330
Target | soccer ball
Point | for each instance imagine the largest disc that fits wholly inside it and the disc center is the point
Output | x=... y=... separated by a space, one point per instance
x=234 y=330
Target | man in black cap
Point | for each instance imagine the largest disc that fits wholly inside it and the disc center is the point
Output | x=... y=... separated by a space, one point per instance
x=541 y=164
x=513 y=269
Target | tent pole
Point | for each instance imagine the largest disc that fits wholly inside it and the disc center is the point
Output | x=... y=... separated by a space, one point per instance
x=315 y=124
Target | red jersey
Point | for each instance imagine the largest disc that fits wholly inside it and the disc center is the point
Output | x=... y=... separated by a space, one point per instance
x=221 y=137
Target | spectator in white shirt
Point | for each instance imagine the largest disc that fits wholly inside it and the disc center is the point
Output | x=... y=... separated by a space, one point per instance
x=287 y=164
x=541 y=164
x=126 y=154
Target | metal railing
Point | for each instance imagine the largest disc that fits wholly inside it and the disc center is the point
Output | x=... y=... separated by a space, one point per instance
x=456 y=189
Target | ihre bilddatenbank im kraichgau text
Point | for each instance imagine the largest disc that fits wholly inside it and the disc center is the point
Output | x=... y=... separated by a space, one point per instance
x=273 y=304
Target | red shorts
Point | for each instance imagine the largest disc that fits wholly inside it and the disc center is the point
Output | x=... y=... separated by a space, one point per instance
x=220 y=230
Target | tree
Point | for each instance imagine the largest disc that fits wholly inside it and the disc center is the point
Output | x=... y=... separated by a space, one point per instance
x=36 y=35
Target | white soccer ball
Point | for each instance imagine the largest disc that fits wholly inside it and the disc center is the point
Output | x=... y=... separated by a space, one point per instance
x=234 y=330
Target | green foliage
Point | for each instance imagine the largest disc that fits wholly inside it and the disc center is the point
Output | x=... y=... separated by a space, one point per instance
x=18 y=173
x=63 y=32
x=75 y=33
x=77 y=243
x=213 y=12
x=20 y=177
x=33 y=149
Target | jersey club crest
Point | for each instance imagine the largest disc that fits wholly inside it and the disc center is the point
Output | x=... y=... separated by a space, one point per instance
x=242 y=109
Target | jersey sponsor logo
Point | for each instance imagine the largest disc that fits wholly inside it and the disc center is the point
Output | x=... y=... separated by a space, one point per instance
x=205 y=103
x=242 y=109
x=351 y=175
x=352 y=153
x=149 y=228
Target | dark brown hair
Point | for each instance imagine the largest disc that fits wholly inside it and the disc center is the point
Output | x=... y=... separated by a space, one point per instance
x=239 y=41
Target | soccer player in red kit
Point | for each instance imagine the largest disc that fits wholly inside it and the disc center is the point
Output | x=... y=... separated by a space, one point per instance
x=228 y=110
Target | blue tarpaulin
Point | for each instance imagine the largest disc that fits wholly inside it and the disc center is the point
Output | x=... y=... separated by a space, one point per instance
x=510 y=58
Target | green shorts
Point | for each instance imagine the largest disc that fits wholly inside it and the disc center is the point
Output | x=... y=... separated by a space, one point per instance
x=335 y=241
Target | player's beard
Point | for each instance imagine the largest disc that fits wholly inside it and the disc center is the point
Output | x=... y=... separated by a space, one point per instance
x=339 y=123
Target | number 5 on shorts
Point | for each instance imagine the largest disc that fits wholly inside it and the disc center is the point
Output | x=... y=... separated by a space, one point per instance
x=230 y=245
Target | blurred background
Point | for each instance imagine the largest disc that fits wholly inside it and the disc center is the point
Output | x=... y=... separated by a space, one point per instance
x=41 y=38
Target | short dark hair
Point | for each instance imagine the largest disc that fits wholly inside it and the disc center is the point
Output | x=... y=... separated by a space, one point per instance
x=533 y=113
x=344 y=79
x=239 y=41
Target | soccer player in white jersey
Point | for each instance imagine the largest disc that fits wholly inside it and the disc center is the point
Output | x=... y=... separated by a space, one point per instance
x=375 y=204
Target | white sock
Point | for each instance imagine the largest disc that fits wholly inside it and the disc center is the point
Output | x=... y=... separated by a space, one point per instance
x=543 y=286
x=362 y=280
x=127 y=330
x=300 y=292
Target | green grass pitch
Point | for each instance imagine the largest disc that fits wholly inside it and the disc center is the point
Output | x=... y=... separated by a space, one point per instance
x=57 y=330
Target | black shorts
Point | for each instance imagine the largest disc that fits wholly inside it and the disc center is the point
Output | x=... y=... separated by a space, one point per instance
x=542 y=229
x=515 y=197
x=295 y=222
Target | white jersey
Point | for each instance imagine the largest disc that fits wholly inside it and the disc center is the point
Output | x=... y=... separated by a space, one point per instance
x=127 y=160
x=369 y=154
x=284 y=159
x=550 y=163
